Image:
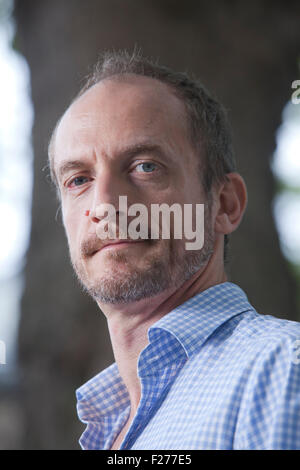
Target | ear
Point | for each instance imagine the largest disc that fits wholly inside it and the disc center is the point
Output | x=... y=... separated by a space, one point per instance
x=231 y=202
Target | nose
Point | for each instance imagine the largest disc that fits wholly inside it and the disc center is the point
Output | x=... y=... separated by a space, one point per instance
x=107 y=188
x=91 y=214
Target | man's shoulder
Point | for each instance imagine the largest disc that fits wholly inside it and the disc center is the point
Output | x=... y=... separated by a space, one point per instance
x=266 y=338
x=269 y=408
x=265 y=326
x=253 y=323
x=224 y=311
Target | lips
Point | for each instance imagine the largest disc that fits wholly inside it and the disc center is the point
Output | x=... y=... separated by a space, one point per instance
x=115 y=242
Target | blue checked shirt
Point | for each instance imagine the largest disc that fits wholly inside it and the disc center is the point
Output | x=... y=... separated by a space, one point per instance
x=215 y=375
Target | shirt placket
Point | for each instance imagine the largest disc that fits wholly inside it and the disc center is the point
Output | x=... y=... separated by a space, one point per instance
x=155 y=385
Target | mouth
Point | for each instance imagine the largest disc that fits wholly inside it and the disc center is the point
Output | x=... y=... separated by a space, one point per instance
x=116 y=245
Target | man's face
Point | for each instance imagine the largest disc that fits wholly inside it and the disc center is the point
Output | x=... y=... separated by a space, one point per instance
x=127 y=138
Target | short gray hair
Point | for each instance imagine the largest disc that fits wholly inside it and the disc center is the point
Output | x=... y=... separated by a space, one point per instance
x=209 y=127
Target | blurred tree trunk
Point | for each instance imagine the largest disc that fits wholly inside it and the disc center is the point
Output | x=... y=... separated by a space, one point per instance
x=246 y=53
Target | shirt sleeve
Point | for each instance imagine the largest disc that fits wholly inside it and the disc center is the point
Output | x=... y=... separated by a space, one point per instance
x=269 y=415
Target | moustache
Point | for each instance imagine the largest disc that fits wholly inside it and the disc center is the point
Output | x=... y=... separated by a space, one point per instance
x=93 y=243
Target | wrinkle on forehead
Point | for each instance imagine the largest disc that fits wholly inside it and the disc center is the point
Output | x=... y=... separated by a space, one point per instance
x=136 y=107
x=157 y=96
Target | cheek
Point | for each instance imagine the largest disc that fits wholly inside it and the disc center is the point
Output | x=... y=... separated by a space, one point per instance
x=71 y=222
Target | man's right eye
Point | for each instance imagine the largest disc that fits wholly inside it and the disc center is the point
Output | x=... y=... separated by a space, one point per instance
x=77 y=181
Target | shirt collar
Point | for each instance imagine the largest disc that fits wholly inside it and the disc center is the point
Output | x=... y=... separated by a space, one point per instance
x=192 y=322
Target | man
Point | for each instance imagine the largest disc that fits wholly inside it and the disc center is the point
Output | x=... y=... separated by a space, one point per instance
x=196 y=366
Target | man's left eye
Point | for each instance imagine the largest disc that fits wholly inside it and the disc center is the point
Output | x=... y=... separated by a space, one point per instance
x=147 y=167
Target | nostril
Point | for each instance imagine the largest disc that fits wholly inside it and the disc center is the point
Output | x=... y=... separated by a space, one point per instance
x=92 y=214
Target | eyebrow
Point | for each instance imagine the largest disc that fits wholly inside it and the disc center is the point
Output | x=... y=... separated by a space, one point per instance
x=141 y=148
x=68 y=165
x=129 y=152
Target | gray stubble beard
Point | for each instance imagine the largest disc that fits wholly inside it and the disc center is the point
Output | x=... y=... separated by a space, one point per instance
x=159 y=273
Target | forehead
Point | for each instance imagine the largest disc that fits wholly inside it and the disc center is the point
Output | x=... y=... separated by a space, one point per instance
x=121 y=111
